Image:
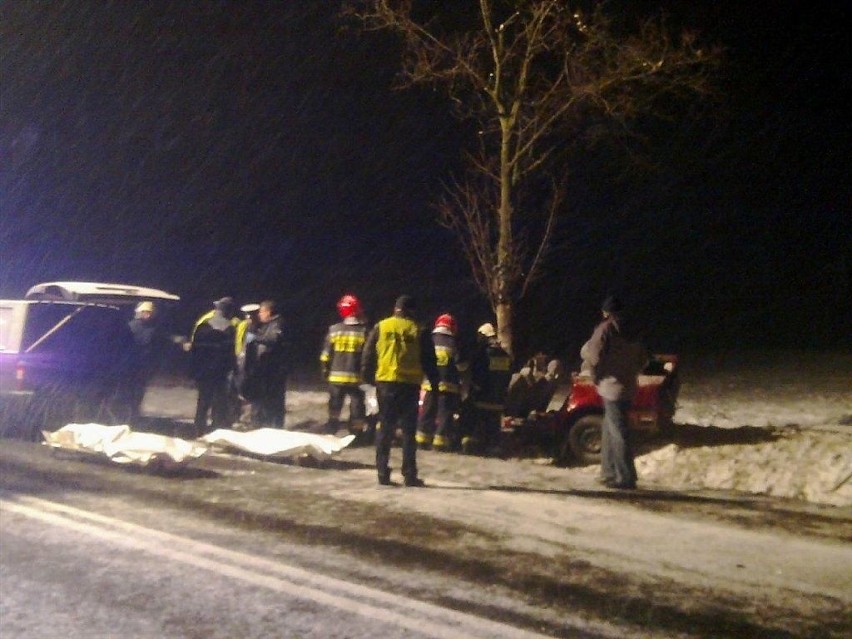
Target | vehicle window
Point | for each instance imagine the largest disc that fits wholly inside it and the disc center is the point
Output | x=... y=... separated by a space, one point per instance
x=5 y=327
x=76 y=333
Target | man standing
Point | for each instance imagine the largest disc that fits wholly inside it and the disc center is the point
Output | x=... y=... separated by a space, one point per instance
x=396 y=357
x=213 y=360
x=271 y=367
x=436 y=424
x=340 y=360
x=615 y=356
x=490 y=373
x=149 y=347
x=246 y=351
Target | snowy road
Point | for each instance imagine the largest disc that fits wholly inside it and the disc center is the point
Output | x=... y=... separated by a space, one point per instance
x=98 y=576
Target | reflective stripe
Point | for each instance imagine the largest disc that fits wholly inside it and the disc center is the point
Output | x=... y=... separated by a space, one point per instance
x=341 y=353
x=440 y=441
x=444 y=387
x=343 y=377
x=242 y=329
x=499 y=363
x=233 y=321
x=444 y=355
x=348 y=342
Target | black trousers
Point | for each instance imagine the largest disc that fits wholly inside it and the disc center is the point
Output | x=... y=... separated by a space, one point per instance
x=398 y=405
x=213 y=398
x=438 y=414
x=136 y=387
x=269 y=407
x=337 y=394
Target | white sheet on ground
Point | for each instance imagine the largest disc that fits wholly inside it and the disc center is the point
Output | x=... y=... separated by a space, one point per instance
x=121 y=445
x=275 y=442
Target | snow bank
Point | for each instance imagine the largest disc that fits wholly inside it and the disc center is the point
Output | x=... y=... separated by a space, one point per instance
x=815 y=466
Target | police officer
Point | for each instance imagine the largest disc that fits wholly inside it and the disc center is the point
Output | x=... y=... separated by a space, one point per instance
x=396 y=357
x=242 y=390
x=490 y=376
x=435 y=427
x=340 y=361
x=213 y=360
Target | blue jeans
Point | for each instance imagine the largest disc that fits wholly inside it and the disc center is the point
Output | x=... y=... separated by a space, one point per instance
x=616 y=452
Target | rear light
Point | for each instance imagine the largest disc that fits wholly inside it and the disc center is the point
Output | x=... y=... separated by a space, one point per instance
x=19 y=377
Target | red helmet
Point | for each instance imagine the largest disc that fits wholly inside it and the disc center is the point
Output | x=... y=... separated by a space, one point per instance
x=446 y=321
x=348 y=306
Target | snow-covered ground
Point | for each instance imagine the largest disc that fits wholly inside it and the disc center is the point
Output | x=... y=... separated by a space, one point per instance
x=774 y=424
x=777 y=425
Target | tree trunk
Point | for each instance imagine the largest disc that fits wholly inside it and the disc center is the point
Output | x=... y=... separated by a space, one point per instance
x=504 y=325
x=505 y=243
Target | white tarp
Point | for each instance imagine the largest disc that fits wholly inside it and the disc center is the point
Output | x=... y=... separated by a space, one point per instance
x=121 y=445
x=274 y=442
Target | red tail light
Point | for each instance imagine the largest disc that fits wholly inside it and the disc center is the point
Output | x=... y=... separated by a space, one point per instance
x=19 y=377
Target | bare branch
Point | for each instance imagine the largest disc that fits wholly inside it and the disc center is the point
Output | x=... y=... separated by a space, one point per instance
x=535 y=76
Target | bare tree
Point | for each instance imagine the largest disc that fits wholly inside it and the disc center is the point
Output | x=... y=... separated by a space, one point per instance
x=536 y=78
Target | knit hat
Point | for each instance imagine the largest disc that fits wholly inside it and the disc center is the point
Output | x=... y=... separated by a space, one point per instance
x=225 y=305
x=405 y=303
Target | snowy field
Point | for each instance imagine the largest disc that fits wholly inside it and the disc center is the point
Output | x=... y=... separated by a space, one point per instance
x=776 y=424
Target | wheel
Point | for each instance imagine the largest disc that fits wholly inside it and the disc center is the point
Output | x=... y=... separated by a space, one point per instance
x=583 y=442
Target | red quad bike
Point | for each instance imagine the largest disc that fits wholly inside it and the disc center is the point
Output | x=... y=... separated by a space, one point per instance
x=574 y=430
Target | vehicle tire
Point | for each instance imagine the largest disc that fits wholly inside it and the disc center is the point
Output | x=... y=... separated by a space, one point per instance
x=583 y=442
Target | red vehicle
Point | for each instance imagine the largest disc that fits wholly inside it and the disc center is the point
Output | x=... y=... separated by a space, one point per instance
x=574 y=430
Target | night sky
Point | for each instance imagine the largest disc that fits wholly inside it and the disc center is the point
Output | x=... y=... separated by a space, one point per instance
x=253 y=149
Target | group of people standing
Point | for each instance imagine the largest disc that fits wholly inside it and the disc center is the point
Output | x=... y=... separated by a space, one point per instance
x=238 y=361
x=233 y=358
x=404 y=362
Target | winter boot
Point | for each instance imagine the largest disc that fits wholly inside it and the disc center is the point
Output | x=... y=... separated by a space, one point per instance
x=423 y=439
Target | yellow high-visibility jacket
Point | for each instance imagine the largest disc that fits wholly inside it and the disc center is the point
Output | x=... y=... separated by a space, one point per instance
x=398 y=351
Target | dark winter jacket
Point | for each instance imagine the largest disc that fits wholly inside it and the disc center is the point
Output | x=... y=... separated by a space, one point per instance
x=272 y=349
x=446 y=355
x=490 y=375
x=149 y=345
x=614 y=356
x=212 y=347
x=341 y=353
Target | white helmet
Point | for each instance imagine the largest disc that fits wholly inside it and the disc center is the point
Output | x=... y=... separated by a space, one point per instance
x=487 y=329
x=143 y=307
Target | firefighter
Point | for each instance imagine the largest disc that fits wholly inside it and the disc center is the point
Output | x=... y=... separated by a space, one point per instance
x=340 y=362
x=435 y=427
x=397 y=354
x=213 y=360
x=490 y=376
